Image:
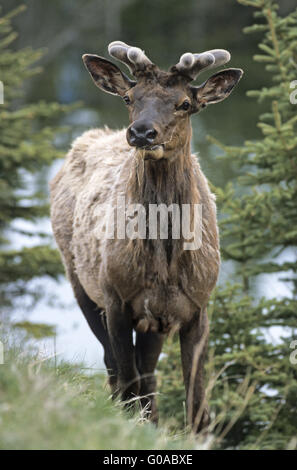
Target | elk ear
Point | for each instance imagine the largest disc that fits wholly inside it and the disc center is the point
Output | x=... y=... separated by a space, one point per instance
x=107 y=75
x=218 y=87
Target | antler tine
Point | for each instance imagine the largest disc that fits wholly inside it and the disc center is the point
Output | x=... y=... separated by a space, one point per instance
x=133 y=57
x=192 y=64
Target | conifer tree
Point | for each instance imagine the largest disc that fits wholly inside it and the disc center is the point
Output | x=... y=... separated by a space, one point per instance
x=27 y=134
x=252 y=381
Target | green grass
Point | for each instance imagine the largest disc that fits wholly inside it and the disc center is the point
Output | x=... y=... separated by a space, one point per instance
x=48 y=406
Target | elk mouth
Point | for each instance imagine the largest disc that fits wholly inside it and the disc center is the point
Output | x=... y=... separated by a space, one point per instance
x=153 y=152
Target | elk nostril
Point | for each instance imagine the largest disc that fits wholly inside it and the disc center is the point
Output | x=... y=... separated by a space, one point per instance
x=151 y=134
x=132 y=135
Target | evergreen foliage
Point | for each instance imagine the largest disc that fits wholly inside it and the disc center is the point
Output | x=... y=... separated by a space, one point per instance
x=27 y=135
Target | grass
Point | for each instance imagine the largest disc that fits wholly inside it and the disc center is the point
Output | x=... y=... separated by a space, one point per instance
x=48 y=406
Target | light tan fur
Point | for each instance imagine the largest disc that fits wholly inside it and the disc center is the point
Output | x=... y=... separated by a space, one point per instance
x=98 y=168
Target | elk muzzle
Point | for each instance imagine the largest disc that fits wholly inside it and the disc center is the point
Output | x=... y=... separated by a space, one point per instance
x=143 y=135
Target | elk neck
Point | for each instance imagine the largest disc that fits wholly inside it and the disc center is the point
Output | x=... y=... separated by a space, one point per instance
x=166 y=181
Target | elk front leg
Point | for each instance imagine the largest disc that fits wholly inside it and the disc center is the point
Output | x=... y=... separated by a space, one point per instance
x=148 y=348
x=95 y=320
x=193 y=342
x=119 y=324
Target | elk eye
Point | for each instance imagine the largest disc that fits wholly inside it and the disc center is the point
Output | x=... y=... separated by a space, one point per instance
x=126 y=99
x=186 y=105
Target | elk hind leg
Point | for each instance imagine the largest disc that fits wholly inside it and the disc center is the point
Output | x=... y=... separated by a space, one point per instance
x=193 y=342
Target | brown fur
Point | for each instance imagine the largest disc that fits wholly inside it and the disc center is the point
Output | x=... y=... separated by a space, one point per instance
x=100 y=166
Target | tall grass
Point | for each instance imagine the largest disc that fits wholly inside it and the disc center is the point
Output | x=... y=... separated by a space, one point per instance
x=44 y=405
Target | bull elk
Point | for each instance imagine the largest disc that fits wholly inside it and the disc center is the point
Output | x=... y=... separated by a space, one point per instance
x=152 y=285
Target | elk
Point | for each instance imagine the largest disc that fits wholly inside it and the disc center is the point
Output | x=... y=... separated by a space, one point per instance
x=150 y=286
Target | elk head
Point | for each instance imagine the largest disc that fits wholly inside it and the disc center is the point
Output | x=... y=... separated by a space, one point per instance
x=160 y=103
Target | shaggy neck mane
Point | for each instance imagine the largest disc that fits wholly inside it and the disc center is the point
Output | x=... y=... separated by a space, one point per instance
x=163 y=182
